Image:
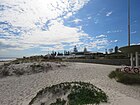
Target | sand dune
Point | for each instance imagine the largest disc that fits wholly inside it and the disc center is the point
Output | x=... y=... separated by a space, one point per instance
x=20 y=90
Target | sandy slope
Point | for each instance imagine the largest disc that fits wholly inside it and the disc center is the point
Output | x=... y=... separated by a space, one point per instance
x=20 y=90
x=2 y=62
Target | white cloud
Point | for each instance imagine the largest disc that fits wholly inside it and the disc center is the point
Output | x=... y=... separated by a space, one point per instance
x=76 y=21
x=114 y=31
x=100 y=43
x=39 y=22
x=133 y=32
x=28 y=12
x=57 y=34
x=89 y=17
x=135 y=44
x=101 y=36
x=68 y=15
x=59 y=47
x=109 y=13
x=115 y=40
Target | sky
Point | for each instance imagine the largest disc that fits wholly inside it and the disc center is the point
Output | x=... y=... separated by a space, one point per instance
x=38 y=27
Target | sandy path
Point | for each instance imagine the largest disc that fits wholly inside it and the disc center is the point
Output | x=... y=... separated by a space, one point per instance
x=19 y=90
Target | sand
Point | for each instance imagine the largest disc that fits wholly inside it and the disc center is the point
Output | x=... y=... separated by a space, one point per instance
x=3 y=62
x=20 y=90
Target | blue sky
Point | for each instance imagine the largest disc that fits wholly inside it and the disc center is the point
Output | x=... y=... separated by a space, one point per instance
x=33 y=27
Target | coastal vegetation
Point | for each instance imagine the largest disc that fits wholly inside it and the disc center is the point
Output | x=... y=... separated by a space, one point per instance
x=70 y=93
x=12 y=69
x=126 y=78
x=41 y=58
x=30 y=65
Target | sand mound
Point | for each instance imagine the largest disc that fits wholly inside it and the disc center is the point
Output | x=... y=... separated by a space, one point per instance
x=10 y=69
x=69 y=93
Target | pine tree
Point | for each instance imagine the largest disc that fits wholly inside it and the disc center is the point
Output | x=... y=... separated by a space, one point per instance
x=75 y=49
x=85 y=50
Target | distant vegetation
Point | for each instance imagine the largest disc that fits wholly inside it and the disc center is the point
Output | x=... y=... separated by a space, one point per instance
x=70 y=93
x=126 y=78
x=40 y=58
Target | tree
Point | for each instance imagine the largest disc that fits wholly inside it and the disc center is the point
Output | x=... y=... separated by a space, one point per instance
x=75 y=49
x=85 y=50
x=116 y=49
x=111 y=50
x=106 y=51
x=60 y=54
x=68 y=53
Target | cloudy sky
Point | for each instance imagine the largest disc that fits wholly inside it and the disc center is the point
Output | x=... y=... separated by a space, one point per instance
x=32 y=27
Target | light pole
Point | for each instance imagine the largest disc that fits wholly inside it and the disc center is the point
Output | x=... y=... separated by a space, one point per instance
x=128 y=22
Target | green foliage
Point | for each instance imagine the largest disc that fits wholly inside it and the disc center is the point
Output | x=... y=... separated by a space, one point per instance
x=126 y=78
x=86 y=95
x=79 y=93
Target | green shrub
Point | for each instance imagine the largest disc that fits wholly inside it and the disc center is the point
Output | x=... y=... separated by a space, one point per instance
x=126 y=78
x=84 y=96
x=79 y=93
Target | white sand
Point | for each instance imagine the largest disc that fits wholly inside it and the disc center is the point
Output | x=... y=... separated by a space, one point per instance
x=2 y=62
x=20 y=90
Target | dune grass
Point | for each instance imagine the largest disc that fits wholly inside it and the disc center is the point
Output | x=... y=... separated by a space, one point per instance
x=126 y=78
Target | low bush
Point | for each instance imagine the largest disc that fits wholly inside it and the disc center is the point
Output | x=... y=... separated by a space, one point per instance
x=76 y=93
x=126 y=78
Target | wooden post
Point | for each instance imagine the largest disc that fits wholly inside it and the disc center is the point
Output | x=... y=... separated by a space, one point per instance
x=137 y=59
x=131 y=59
